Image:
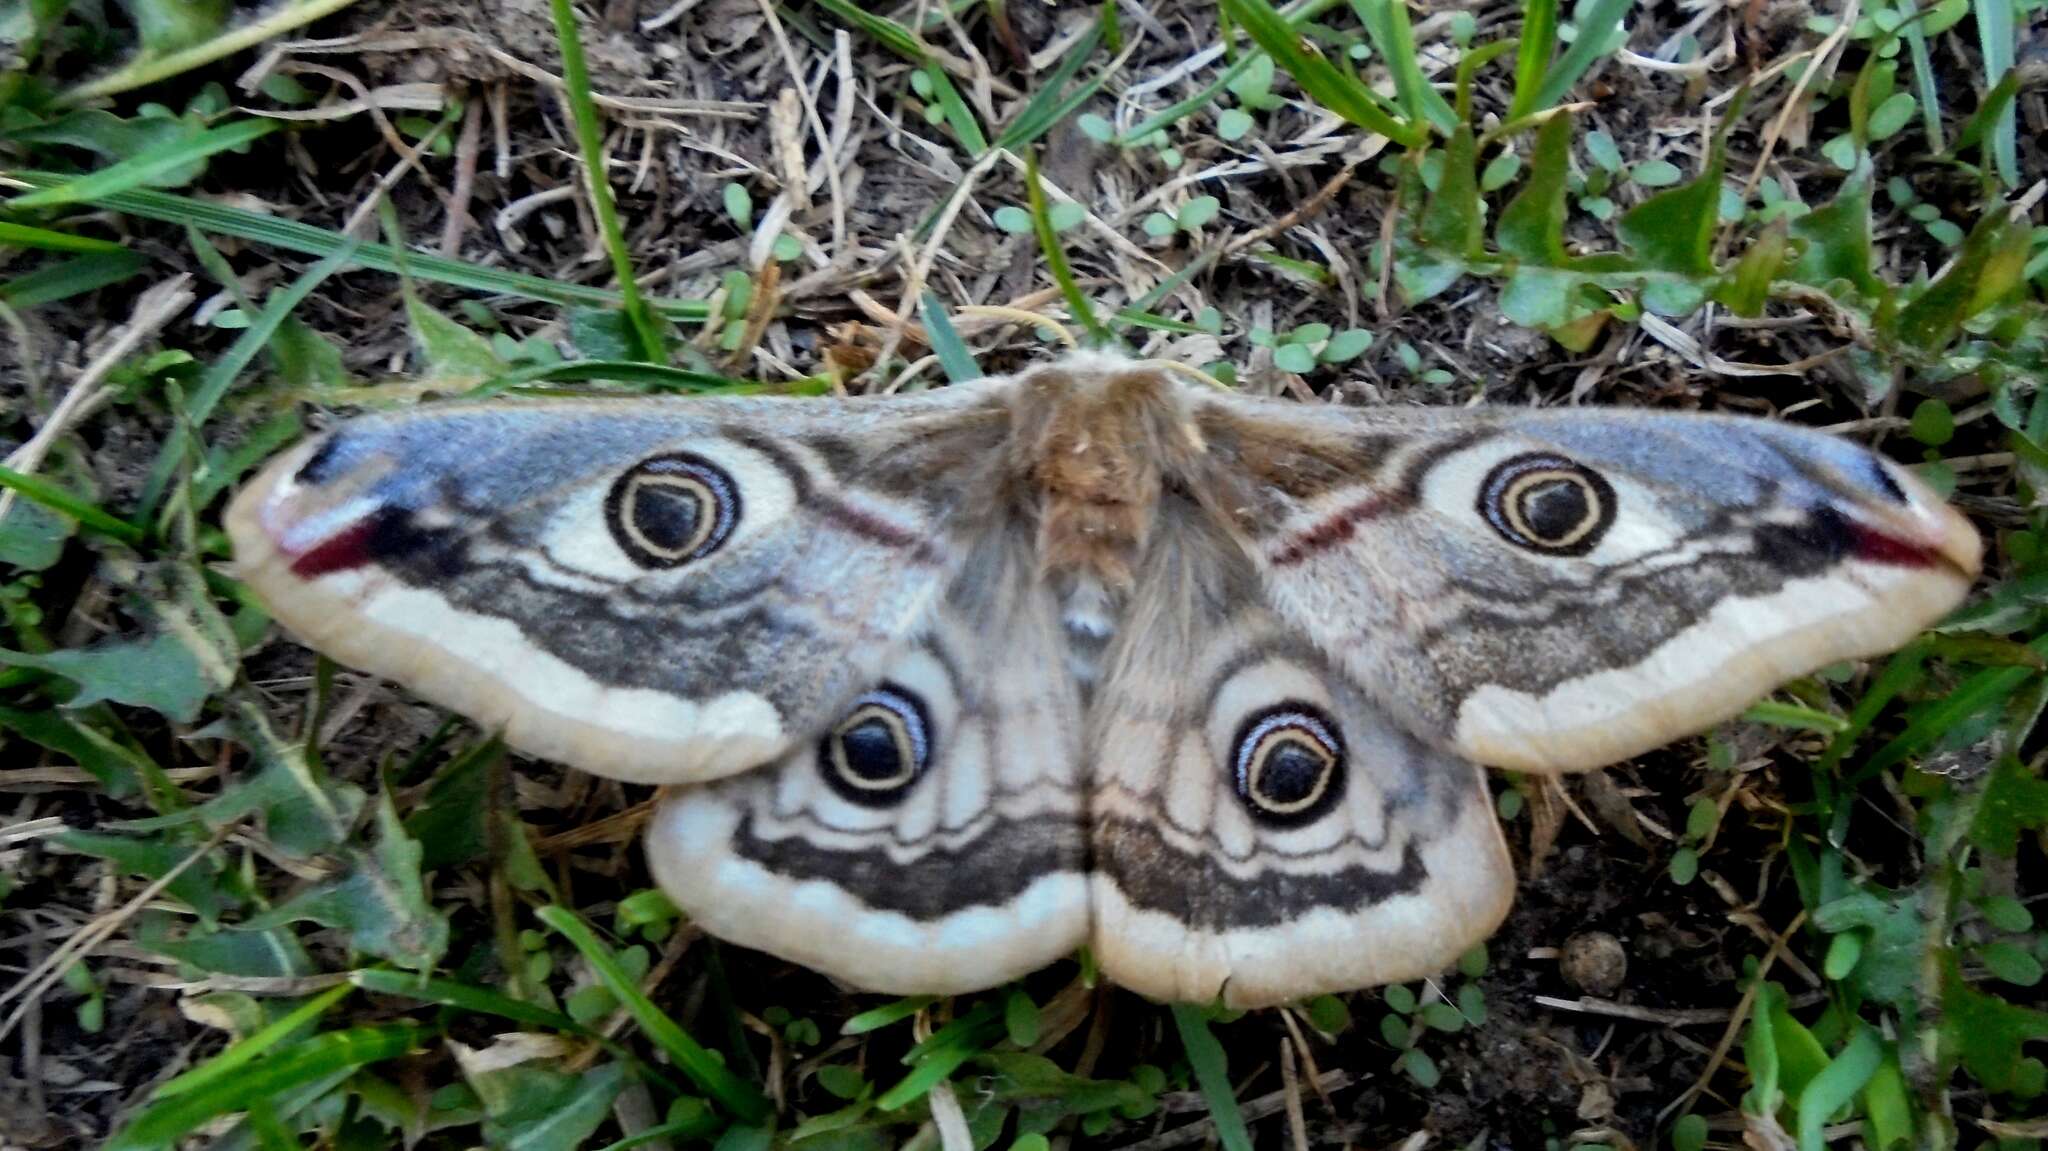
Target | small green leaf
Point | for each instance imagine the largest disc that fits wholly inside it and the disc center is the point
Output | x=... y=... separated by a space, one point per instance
x=1017 y=222
x=1689 y=1133
x=1346 y=346
x=2010 y=962
x=1158 y=225
x=1020 y=1019
x=1892 y=115
x=1327 y=1014
x=1198 y=213
x=1400 y=998
x=1685 y=865
x=1500 y=172
x=1297 y=358
x=1233 y=124
x=1933 y=423
x=1065 y=216
x=2007 y=914
x=1394 y=1030
x=1656 y=174
x=1600 y=148
x=1419 y=1067
x=739 y=203
x=1844 y=952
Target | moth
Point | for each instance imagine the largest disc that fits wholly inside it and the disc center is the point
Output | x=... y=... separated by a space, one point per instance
x=945 y=686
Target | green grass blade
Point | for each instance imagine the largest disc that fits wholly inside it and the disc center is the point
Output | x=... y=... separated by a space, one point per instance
x=1324 y=82
x=735 y=1094
x=590 y=139
x=25 y=236
x=883 y=1016
x=959 y=116
x=1048 y=106
x=1212 y=1075
x=220 y=219
x=1056 y=256
x=1585 y=51
x=886 y=32
x=73 y=277
x=1532 y=55
x=58 y=500
x=475 y=1000
x=1996 y=42
x=241 y=1052
x=952 y=351
x=148 y=165
x=221 y=374
x=322 y=1055
x=1386 y=22
x=1923 y=74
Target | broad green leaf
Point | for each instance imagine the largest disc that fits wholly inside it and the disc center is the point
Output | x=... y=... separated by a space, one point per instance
x=380 y=902
x=167 y=25
x=1673 y=231
x=32 y=537
x=1837 y=238
x=1986 y=1032
x=188 y=655
x=1887 y=967
x=2014 y=800
x=120 y=769
x=304 y=812
x=1451 y=224
x=232 y=951
x=1747 y=286
x=535 y=1108
x=1531 y=227
x=205 y=886
x=1020 y=1075
x=450 y=351
x=1989 y=266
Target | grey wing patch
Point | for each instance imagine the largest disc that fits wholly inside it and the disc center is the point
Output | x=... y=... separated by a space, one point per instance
x=1558 y=590
x=1261 y=832
x=931 y=840
x=654 y=591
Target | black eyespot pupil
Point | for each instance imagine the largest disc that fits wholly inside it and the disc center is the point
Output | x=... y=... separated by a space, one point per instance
x=1288 y=764
x=667 y=515
x=871 y=751
x=671 y=509
x=879 y=751
x=1556 y=509
x=1291 y=774
x=1547 y=503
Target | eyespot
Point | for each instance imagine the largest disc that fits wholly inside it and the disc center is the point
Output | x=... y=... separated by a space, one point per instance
x=1289 y=763
x=1548 y=504
x=672 y=509
x=880 y=749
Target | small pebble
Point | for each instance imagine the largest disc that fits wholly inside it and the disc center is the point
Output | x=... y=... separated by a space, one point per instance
x=1593 y=962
